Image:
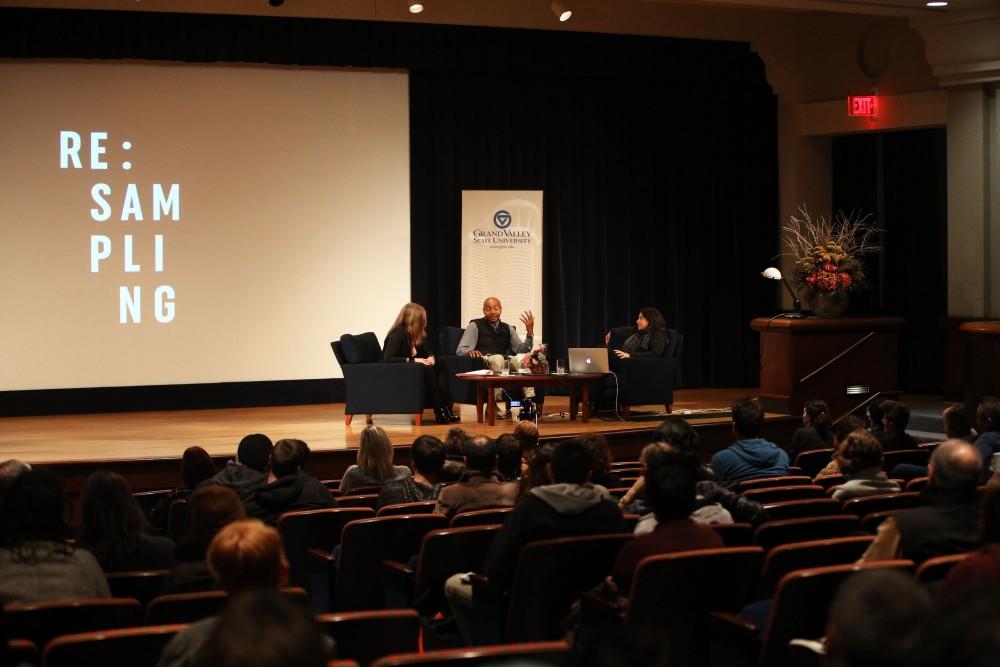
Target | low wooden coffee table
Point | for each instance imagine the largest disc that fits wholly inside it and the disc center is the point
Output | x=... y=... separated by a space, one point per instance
x=485 y=384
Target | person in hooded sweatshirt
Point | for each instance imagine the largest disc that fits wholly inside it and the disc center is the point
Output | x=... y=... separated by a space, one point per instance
x=568 y=506
x=288 y=487
x=249 y=471
x=749 y=457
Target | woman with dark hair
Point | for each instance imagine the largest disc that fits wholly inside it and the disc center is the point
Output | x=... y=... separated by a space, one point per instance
x=536 y=475
x=196 y=467
x=816 y=431
x=114 y=529
x=598 y=446
x=37 y=564
x=648 y=338
x=405 y=344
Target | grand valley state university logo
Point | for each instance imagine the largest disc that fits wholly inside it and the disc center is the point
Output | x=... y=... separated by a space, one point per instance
x=502 y=236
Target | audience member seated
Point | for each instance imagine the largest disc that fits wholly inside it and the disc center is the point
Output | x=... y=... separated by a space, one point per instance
x=816 y=431
x=670 y=490
x=988 y=423
x=374 y=466
x=537 y=473
x=196 y=467
x=509 y=458
x=427 y=457
x=245 y=556
x=895 y=419
x=945 y=523
x=568 y=506
x=10 y=469
x=249 y=471
x=526 y=432
x=875 y=416
x=860 y=458
x=480 y=486
x=982 y=566
x=876 y=620
x=963 y=629
x=115 y=530
x=713 y=503
x=841 y=430
x=36 y=562
x=957 y=426
x=210 y=509
x=749 y=457
x=599 y=450
x=454 y=452
x=289 y=487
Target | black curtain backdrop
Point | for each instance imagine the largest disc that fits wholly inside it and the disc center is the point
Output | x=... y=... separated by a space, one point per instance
x=900 y=177
x=658 y=157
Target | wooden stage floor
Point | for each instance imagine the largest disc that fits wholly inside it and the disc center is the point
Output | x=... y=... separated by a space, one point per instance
x=137 y=436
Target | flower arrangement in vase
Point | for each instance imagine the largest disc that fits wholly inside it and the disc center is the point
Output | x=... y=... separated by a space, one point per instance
x=537 y=361
x=827 y=256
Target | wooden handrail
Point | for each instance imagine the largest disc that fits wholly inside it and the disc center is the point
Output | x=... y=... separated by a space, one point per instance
x=864 y=403
x=837 y=357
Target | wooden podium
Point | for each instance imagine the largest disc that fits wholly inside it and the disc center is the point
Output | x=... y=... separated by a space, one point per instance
x=844 y=361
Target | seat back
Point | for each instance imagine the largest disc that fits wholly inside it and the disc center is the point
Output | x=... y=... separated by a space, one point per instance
x=365 y=500
x=494 y=515
x=550 y=576
x=185 y=607
x=450 y=551
x=936 y=569
x=357 y=349
x=448 y=339
x=813 y=461
x=777 y=494
x=766 y=482
x=801 y=604
x=39 y=622
x=136 y=647
x=534 y=653
x=365 y=544
x=797 y=509
x=147 y=500
x=785 y=558
x=773 y=533
x=143 y=585
x=883 y=502
x=920 y=456
x=177 y=519
x=734 y=534
x=365 y=636
x=418 y=507
x=917 y=483
x=829 y=481
x=313 y=529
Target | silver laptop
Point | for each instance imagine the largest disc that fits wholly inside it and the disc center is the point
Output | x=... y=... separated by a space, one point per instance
x=588 y=360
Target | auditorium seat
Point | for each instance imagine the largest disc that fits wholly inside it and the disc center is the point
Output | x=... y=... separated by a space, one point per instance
x=917 y=484
x=776 y=494
x=135 y=647
x=191 y=607
x=369 y=500
x=883 y=502
x=797 y=509
x=364 y=636
x=786 y=558
x=38 y=622
x=766 y=482
x=812 y=462
x=871 y=522
x=143 y=585
x=493 y=515
x=935 y=570
x=443 y=552
x=550 y=576
x=734 y=534
x=531 y=653
x=22 y=652
x=365 y=544
x=147 y=500
x=418 y=507
x=366 y=377
x=771 y=534
x=177 y=519
x=462 y=391
x=919 y=456
x=829 y=482
x=313 y=529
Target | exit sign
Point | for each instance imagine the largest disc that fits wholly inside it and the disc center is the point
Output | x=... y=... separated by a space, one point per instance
x=862 y=105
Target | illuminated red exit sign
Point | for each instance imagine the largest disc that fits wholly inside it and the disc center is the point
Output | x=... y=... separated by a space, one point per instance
x=862 y=105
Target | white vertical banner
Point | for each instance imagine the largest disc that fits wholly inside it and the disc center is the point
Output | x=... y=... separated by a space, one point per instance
x=502 y=254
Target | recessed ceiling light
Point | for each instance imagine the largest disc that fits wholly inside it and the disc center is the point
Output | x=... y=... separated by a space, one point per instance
x=562 y=12
x=416 y=7
x=937 y=3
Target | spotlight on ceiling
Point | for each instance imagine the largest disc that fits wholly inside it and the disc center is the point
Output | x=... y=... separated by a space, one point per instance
x=416 y=6
x=562 y=12
x=275 y=3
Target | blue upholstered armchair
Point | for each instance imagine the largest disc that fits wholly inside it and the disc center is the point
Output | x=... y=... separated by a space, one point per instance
x=375 y=387
x=644 y=380
x=462 y=391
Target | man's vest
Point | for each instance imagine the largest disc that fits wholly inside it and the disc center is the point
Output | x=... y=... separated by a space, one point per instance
x=490 y=342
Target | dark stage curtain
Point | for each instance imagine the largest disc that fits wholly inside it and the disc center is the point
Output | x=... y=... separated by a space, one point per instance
x=900 y=177
x=658 y=157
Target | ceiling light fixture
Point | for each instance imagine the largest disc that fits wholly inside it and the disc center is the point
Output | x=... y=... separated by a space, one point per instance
x=562 y=12
x=937 y=3
x=416 y=6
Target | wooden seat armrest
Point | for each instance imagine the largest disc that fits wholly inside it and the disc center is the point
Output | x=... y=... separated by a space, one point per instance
x=396 y=568
x=729 y=628
x=321 y=556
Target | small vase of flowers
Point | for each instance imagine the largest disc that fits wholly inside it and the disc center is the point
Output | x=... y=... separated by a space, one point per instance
x=537 y=361
x=827 y=256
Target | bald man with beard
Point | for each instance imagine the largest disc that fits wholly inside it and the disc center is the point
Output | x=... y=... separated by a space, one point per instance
x=946 y=521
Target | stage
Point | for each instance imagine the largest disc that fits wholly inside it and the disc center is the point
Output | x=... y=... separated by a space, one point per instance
x=146 y=446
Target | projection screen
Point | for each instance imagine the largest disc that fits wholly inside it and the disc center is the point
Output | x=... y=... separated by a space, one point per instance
x=174 y=223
